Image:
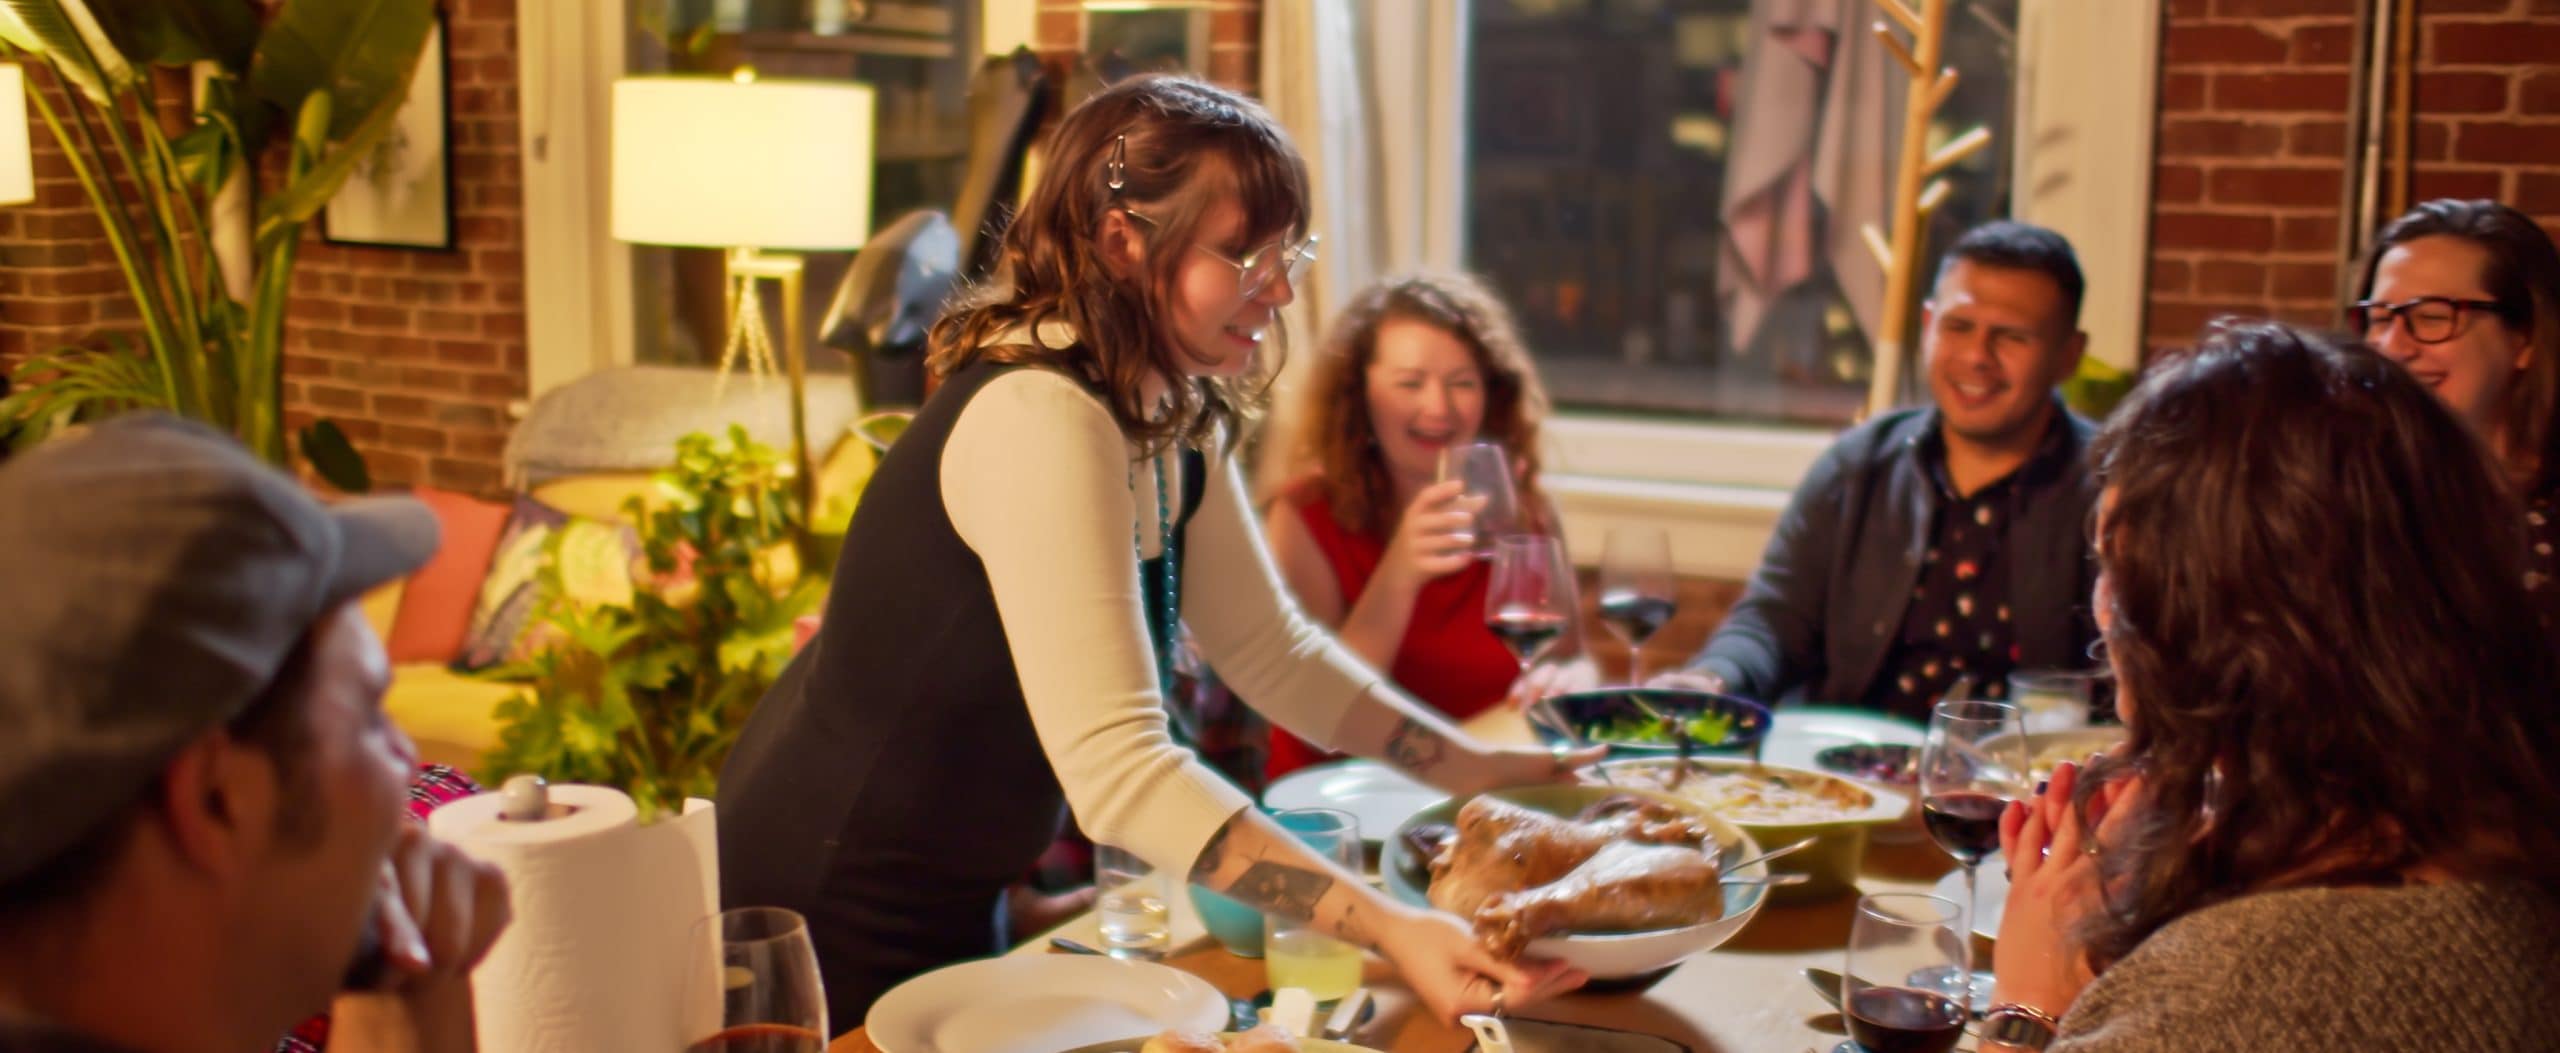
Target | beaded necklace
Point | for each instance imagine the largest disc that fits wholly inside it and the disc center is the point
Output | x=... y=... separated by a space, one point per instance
x=1160 y=632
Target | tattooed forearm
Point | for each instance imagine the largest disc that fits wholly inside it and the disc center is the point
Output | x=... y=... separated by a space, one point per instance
x=1278 y=888
x=1354 y=927
x=1212 y=855
x=1415 y=748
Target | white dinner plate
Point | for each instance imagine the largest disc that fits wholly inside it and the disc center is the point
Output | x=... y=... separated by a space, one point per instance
x=1994 y=894
x=1796 y=733
x=1040 y=1003
x=1380 y=797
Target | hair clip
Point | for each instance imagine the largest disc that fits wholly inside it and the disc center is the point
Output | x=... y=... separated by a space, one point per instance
x=1116 y=168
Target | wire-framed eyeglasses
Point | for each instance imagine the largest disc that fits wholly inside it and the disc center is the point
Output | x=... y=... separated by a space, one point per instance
x=1256 y=270
x=2428 y=319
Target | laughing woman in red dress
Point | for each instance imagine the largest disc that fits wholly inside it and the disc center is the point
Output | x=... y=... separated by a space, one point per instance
x=1370 y=533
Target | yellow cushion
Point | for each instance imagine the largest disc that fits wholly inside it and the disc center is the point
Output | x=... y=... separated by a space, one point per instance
x=451 y=717
x=382 y=606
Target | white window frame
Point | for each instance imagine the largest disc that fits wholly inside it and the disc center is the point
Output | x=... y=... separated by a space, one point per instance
x=2086 y=84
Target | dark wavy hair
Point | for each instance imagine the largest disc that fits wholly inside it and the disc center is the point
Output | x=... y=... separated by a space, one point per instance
x=1188 y=143
x=2524 y=278
x=2316 y=609
x=1337 y=446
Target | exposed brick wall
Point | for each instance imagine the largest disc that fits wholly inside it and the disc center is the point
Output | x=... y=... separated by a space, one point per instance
x=416 y=354
x=1235 y=34
x=59 y=283
x=2252 y=134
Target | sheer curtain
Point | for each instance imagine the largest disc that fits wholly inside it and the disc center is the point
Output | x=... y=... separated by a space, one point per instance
x=1374 y=95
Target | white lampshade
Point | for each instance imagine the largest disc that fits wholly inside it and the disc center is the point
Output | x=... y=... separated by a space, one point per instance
x=17 y=159
x=718 y=163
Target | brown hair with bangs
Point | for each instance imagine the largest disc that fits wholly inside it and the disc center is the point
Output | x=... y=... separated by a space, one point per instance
x=2523 y=276
x=1180 y=146
x=2315 y=606
x=1337 y=445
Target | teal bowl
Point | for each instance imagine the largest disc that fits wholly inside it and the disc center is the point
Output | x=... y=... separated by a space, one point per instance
x=1237 y=927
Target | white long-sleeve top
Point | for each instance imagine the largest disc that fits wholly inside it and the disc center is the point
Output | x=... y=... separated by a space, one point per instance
x=1039 y=481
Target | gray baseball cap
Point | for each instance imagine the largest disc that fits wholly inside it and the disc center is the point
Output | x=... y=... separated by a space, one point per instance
x=154 y=576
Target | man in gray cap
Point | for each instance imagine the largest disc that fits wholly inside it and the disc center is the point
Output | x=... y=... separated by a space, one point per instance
x=200 y=800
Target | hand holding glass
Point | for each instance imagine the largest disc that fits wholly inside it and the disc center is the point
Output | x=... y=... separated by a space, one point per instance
x=1487 y=472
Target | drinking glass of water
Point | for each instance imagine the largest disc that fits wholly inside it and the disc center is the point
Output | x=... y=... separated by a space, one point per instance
x=1137 y=919
x=1486 y=469
x=1297 y=954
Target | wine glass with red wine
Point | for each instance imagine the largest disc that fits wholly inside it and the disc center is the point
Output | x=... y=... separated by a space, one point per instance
x=1529 y=601
x=1904 y=987
x=1972 y=765
x=764 y=984
x=1638 y=593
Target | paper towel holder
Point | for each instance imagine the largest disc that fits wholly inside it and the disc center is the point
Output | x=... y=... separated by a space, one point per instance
x=526 y=798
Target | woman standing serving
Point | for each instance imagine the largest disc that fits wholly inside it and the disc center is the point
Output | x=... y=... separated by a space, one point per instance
x=996 y=642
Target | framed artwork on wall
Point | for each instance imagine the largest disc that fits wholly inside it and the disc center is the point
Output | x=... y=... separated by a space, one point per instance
x=402 y=196
x=1172 y=38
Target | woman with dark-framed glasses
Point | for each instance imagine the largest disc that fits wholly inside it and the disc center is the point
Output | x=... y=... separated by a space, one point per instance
x=2466 y=295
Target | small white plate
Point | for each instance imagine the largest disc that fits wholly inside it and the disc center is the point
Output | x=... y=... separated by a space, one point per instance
x=1380 y=797
x=1796 y=733
x=1994 y=894
x=1040 y=1004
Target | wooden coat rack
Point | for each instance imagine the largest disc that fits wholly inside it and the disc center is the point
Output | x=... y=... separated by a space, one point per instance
x=1918 y=189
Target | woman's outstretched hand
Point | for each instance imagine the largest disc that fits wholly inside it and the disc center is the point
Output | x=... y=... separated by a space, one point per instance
x=1453 y=974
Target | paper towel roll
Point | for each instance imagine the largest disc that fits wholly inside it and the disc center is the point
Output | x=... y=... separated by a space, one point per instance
x=598 y=958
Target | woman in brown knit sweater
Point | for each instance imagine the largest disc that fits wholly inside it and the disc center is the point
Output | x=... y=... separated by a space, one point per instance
x=2331 y=825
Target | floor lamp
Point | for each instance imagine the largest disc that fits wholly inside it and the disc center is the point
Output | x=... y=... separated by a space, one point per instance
x=763 y=170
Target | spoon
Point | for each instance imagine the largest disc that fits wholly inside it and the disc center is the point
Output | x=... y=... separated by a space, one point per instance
x=1773 y=853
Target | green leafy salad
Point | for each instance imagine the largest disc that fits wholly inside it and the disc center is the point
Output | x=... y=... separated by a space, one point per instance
x=1705 y=729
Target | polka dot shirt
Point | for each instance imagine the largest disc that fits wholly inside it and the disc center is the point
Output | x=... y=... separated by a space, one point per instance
x=1958 y=623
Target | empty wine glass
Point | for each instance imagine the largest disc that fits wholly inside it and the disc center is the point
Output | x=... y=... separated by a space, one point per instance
x=1904 y=987
x=1638 y=593
x=1487 y=472
x=1529 y=599
x=765 y=983
x=1972 y=765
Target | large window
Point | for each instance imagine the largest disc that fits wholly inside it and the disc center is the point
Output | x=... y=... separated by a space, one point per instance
x=1669 y=191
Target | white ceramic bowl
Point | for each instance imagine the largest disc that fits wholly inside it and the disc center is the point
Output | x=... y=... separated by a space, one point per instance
x=1606 y=956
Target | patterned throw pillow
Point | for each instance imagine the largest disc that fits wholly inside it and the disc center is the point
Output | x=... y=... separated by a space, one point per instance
x=507 y=595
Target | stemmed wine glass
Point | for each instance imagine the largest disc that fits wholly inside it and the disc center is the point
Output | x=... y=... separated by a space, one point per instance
x=1487 y=472
x=764 y=983
x=1637 y=591
x=1529 y=600
x=1973 y=764
x=1905 y=984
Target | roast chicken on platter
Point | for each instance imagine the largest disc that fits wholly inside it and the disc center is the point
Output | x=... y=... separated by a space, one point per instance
x=1625 y=864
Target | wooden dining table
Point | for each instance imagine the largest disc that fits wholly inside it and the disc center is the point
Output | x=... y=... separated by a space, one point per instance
x=1749 y=994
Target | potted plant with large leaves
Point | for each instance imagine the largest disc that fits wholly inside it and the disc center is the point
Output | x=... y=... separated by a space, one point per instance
x=208 y=257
